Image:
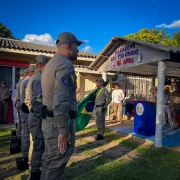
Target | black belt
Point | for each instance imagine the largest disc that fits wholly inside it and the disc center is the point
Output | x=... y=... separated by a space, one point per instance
x=49 y=113
x=166 y=103
x=99 y=105
x=72 y=114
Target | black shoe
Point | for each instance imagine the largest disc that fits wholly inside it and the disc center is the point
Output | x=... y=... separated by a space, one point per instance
x=175 y=128
x=5 y=122
x=22 y=163
x=34 y=175
x=99 y=137
x=1 y=122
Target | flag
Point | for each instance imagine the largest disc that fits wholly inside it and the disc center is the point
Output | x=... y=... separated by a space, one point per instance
x=86 y=107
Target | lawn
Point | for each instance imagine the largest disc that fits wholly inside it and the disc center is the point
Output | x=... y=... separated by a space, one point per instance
x=118 y=157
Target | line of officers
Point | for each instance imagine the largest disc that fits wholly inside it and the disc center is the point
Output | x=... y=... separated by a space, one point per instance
x=29 y=107
x=47 y=105
x=171 y=104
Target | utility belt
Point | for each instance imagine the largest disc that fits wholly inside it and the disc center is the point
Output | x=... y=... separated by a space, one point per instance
x=24 y=108
x=99 y=105
x=49 y=113
x=166 y=103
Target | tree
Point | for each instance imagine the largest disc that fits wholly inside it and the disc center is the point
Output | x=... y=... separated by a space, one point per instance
x=6 y=32
x=152 y=36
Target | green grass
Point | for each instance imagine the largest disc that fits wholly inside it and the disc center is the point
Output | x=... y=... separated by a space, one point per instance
x=118 y=157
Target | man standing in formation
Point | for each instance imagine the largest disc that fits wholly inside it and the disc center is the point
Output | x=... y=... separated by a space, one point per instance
x=34 y=102
x=103 y=99
x=24 y=117
x=60 y=107
x=175 y=104
x=153 y=95
x=18 y=106
x=4 y=96
x=167 y=107
x=15 y=115
x=117 y=99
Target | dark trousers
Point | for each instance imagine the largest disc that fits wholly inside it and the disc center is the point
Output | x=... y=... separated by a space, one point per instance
x=3 y=111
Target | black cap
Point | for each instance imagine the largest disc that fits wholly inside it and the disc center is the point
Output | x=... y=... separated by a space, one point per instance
x=67 y=37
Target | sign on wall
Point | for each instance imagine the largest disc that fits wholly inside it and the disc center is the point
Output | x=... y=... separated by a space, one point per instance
x=126 y=54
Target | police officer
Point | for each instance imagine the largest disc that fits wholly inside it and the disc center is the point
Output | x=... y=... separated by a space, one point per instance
x=4 y=96
x=18 y=106
x=37 y=145
x=15 y=115
x=153 y=95
x=166 y=106
x=103 y=99
x=24 y=117
x=60 y=107
x=175 y=104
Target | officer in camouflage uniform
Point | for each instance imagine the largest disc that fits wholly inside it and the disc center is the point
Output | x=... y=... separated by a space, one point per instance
x=18 y=107
x=24 y=117
x=37 y=145
x=60 y=107
x=175 y=104
x=103 y=99
x=4 y=96
x=153 y=95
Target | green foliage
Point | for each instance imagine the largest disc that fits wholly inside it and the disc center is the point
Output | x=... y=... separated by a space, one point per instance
x=156 y=36
x=5 y=32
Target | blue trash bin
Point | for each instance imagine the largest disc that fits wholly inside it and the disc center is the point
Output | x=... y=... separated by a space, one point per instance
x=144 y=118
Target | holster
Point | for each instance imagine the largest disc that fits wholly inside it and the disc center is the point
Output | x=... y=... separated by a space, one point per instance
x=24 y=108
x=44 y=112
x=72 y=114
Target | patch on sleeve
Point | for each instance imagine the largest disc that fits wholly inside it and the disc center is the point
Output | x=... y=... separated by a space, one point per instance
x=65 y=81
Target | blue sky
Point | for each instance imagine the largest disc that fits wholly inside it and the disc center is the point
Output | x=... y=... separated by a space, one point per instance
x=95 y=21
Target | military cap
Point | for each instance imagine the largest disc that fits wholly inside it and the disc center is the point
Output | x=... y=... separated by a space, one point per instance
x=2 y=82
x=31 y=68
x=41 y=59
x=153 y=87
x=177 y=84
x=100 y=80
x=166 y=87
x=67 y=37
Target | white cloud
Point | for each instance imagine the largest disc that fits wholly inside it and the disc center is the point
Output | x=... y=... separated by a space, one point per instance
x=174 y=24
x=87 y=49
x=45 y=39
x=86 y=41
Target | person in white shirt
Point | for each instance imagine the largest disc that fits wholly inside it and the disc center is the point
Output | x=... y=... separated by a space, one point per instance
x=167 y=107
x=117 y=99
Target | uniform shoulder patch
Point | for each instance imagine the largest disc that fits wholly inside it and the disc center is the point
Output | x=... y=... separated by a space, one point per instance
x=65 y=81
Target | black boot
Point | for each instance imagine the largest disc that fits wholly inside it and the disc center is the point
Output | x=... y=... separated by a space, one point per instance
x=22 y=163
x=34 y=175
x=99 y=137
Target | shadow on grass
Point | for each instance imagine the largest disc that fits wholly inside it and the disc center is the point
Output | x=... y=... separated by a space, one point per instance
x=79 y=168
x=135 y=164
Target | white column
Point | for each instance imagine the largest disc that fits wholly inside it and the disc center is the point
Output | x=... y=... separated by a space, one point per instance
x=159 y=105
x=13 y=78
x=104 y=76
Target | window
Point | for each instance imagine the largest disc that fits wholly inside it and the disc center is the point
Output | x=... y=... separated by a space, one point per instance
x=6 y=76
